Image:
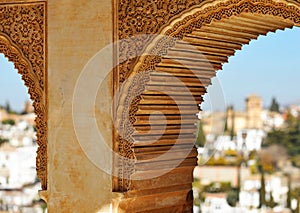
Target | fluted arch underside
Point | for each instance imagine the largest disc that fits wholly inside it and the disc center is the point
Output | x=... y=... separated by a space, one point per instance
x=205 y=37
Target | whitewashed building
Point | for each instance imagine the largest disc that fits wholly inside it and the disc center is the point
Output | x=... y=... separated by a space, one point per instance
x=18 y=181
x=250 y=139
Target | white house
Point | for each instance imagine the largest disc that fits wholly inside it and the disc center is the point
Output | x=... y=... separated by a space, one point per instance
x=250 y=139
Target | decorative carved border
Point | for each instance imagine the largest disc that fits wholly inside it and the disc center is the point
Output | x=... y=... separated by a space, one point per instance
x=23 y=42
x=155 y=17
x=219 y=10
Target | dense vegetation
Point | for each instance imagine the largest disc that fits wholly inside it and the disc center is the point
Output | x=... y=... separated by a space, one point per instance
x=9 y=122
x=288 y=137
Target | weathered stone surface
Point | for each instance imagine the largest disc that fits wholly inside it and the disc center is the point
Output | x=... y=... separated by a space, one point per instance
x=77 y=30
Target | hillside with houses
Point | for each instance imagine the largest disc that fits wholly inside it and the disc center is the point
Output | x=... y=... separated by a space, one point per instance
x=249 y=161
x=18 y=181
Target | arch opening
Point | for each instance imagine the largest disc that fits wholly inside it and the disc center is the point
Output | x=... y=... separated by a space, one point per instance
x=19 y=184
x=268 y=68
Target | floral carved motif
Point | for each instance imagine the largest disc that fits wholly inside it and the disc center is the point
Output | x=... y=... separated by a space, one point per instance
x=144 y=17
x=22 y=41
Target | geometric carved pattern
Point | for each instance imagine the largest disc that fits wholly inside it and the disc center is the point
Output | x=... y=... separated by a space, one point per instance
x=23 y=42
x=154 y=17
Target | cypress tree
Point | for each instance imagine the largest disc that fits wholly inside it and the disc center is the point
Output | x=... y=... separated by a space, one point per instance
x=226 y=120
x=262 y=191
x=274 y=107
x=200 y=140
x=289 y=196
x=271 y=203
x=232 y=125
x=7 y=107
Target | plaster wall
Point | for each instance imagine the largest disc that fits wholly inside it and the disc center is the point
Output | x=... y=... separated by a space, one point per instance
x=77 y=30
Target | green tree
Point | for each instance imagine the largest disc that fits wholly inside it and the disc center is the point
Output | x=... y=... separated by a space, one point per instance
x=3 y=141
x=43 y=206
x=232 y=197
x=229 y=126
x=276 y=136
x=200 y=140
x=288 y=137
x=232 y=133
x=9 y=122
x=297 y=210
x=262 y=191
x=226 y=120
x=289 y=194
x=271 y=203
x=296 y=195
x=274 y=107
x=238 y=188
x=7 y=107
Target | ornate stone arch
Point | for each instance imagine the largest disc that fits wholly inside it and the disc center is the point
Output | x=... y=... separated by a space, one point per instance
x=198 y=16
x=23 y=42
x=196 y=23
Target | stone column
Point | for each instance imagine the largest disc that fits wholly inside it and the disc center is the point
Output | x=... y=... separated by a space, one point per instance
x=77 y=30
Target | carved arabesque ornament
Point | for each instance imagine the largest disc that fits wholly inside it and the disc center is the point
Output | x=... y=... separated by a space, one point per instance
x=144 y=17
x=22 y=41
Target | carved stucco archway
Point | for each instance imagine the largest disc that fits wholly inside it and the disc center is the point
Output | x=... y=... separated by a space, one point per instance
x=215 y=28
x=23 y=42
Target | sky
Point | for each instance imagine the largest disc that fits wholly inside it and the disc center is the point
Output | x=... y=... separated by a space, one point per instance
x=268 y=67
x=12 y=88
